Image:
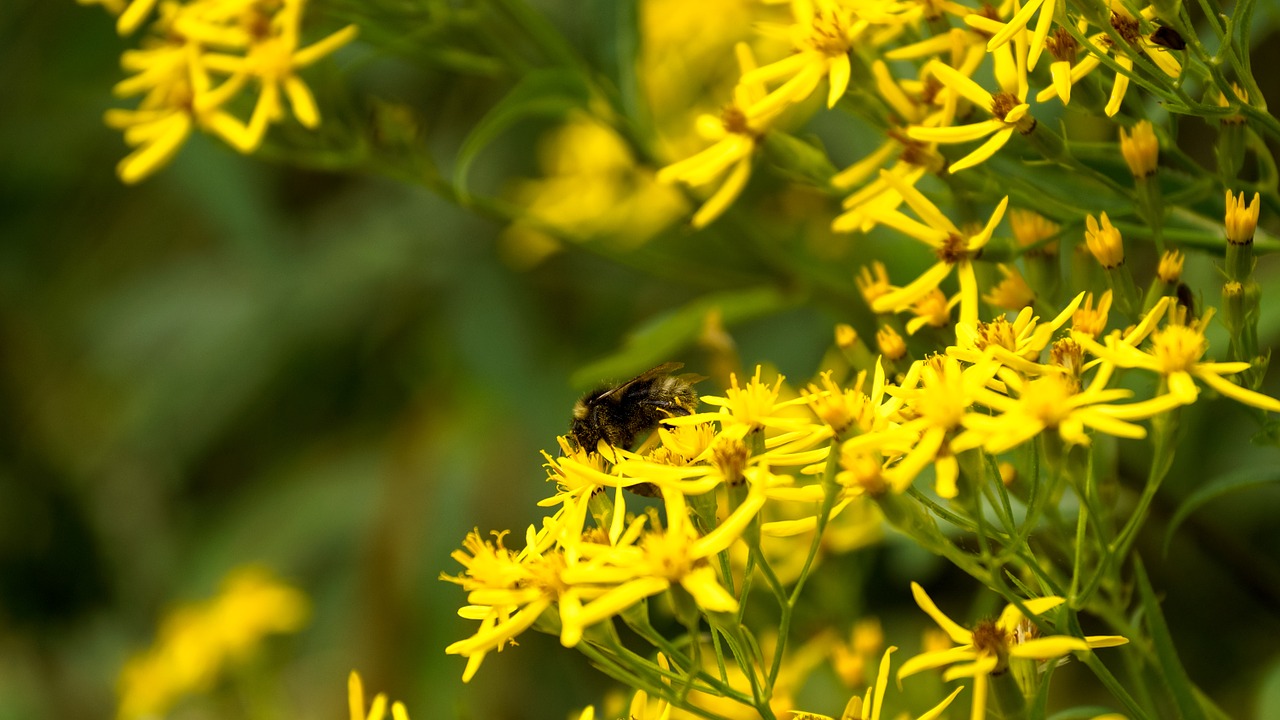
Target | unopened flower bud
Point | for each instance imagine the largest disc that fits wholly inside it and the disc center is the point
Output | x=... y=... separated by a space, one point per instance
x=891 y=344
x=1141 y=149
x=1030 y=228
x=1104 y=242
x=1241 y=219
x=846 y=336
x=1170 y=269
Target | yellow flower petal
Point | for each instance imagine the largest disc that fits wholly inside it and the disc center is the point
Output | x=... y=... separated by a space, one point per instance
x=953 y=629
x=1239 y=394
x=984 y=151
x=1048 y=647
x=839 y=78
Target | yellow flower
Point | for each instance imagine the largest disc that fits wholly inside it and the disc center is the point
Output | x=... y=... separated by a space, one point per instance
x=377 y=710
x=273 y=63
x=1054 y=402
x=1104 y=242
x=1141 y=149
x=953 y=248
x=1016 y=344
x=591 y=188
x=1008 y=108
x=175 y=75
x=507 y=592
x=1018 y=23
x=1175 y=354
x=938 y=393
x=891 y=344
x=612 y=579
x=933 y=310
x=871 y=705
x=987 y=649
x=1090 y=320
x=736 y=134
x=823 y=32
x=1241 y=219
x=1012 y=293
x=1031 y=230
x=749 y=408
x=873 y=282
x=1170 y=269
x=1129 y=30
x=198 y=642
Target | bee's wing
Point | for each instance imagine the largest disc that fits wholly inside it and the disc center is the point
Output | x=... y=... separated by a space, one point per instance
x=663 y=369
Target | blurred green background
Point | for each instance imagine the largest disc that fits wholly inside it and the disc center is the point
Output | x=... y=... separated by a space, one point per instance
x=336 y=374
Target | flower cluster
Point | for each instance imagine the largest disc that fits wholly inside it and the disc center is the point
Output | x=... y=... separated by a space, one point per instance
x=197 y=60
x=200 y=641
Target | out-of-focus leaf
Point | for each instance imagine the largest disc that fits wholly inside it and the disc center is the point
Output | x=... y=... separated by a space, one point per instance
x=1175 y=676
x=1080 y=713
x=1268 y=703
x=1241 y=479
x=660 y=339
x=1040 y=703
x=543 y=93
x=798 y=158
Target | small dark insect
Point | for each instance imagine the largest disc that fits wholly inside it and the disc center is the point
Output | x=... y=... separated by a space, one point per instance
x=1186 y=300
x=1167 y=37
x=618 y=414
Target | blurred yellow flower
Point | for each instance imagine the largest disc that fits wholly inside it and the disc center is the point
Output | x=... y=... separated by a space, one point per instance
x=247 y=43
x=377 y=710
x=987 y=649
x=199 y=641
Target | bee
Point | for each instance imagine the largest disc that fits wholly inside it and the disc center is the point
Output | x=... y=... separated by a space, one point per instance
x=1167 y=37
x=618 y=414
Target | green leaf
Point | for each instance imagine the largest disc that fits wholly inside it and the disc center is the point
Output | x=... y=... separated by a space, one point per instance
x=799 y=159
x=1268 y=699
x=1040 y=703
x=1242 y=479
x=1080 y=713
x=1175 y=676
x=662 y=338
x=541 y=93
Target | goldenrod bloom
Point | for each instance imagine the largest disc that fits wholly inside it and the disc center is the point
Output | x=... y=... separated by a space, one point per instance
x=198 y=642
x=987 y=649
x=1170 y=269
x=891 y=344
x=873 y=282
x=938 y=392
x=642 y=565
x=248 y=43
x=1175 y=354
x=1008 y=108
x=1099 y=44
x=507 y=592
x=1241 y=219
x=1018 y=23
x=933 y=310
x=1031 y=230
x=1017 y=345
x=736 y=133
x=1104 y=242
x=1011 y=293
x=1090 y=320
x=273 y=63
x=954 y=250
x=1141 y=149
x=1053 y=401
x=755 y=406
x=823 y=33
